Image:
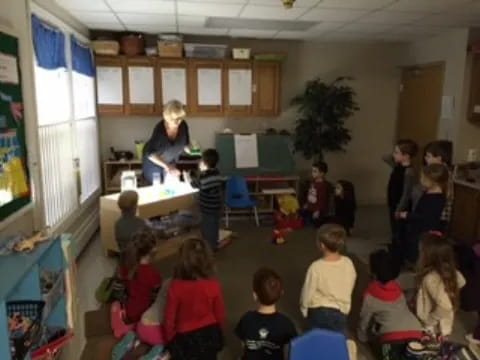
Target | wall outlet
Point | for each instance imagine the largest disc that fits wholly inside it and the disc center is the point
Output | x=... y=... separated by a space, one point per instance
x=472 y=155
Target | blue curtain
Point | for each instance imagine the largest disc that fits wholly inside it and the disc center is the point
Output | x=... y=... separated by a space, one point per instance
x=82 y=58
x=49 y=45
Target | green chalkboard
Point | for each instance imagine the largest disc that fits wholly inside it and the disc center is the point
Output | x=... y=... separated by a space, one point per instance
x=14 y=182
x=275 y=156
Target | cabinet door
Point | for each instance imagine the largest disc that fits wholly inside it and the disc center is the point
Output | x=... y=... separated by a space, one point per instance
x=110 y=81
x=474 y=102
x=207 y=87
x=141 y=93
x=239 y=94
x=266 y=88
x=172 y=80
x=466 y=215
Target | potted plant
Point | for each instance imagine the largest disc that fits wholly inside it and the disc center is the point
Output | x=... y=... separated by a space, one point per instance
x=323 y=110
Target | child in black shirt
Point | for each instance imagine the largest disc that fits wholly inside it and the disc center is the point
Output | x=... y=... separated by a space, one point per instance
x=265 y=332
x=426 y=216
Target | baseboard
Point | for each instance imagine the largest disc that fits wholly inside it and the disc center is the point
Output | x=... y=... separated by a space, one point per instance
x=84 y=231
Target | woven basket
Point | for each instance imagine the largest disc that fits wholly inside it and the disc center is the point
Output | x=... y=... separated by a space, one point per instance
x=106 y=47
x=132 y=45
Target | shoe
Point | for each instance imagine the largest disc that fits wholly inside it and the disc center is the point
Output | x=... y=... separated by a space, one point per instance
x=471 y=340
x=117 y=322
x=155 y=353
x=125 y=345
x=416 y=349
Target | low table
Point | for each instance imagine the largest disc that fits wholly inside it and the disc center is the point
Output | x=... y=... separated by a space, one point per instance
x=153 y=201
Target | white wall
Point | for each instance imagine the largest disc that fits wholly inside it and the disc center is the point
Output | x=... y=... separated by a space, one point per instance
x=376 y=81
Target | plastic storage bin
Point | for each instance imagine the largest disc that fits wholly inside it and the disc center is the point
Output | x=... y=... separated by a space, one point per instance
x=106 y=47
x=170 y=49
x=207 y=51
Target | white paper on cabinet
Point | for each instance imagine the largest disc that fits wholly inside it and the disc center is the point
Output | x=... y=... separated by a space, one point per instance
x=240 y=87
x=141 y=85
x=174 y=85
x=109 y=85
x=246 y=151
x=209 y=87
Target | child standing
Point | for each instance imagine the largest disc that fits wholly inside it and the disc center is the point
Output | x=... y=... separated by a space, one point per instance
x=316 y=207
x=327 y=291
x=385 y=315
x=265 y=332
x=438 y=285
x=129 y=223
x=194 y=311
x=345 y=204
x=209 y=183
x=399 y=190
x=426 y=216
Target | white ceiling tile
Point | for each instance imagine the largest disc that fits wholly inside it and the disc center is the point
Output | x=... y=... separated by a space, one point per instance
x=260 y=34
x=105 y=26
x=428 y=6
x=297 y=4
x=152 y=28
x=419 y=30
x=325 y=27
x=94 y=17
x=347 y=36
x=147 y=19
x=191 y=21
x=366 y=28
x=448 y=20
x=143 y=6
x=291 y=35
x=332 y=14
x=202 y=31
x=392 y=17
x=208 y=9
x=269 y=12
x=219 y=1
x=355 y=4
x=86 y=5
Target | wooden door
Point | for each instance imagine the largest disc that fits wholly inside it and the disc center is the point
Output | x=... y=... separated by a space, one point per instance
x=140 y=84
x=206 y=79
x=420 y=105
x=110 y=85
x=172 y=82
x=239 y=94
x=474 y=101
x=465 y=224
x=266 y=88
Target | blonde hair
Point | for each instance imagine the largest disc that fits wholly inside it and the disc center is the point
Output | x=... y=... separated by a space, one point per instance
x=332 y=236
x=174 y=111
x=128 y=200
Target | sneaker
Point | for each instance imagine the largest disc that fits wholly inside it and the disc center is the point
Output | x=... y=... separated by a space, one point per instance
x=416 y=349
x=125 y=345
x=155 y=353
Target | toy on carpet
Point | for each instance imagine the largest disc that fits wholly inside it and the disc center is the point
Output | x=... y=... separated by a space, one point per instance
x=278 y=236
x=286 y=218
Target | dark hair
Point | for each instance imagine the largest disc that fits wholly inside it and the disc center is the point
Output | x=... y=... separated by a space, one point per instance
x=407 y=147
x=437 y=173
x=210 y=158
x=383 y=266
x=442 y=149
x=437 y=255
x=322 y=166
x=141 y=245
x=195 y=260
x=348 y=191
x=332 y=236
x=267 y=286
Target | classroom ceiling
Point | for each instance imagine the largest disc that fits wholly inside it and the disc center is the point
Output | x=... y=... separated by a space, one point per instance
x=391 y=20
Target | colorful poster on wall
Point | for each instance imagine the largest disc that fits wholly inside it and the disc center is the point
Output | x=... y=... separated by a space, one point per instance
x=14 y=183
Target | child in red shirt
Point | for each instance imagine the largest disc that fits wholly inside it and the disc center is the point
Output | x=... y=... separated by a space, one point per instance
x=316 y=208
x=194 y=311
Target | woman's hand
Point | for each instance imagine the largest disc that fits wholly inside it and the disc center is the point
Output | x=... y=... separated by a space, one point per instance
x=172 y=170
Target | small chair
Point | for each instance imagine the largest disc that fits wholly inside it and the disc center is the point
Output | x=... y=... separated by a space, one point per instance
x=237 y=197
x=319 y=344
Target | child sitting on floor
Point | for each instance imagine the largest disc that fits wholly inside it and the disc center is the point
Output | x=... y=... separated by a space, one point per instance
x=316 y=208
x=265 y=332
x=327 y=292
x=438 y=285
x=385 y=316
x=129 y=223
x=194 y=311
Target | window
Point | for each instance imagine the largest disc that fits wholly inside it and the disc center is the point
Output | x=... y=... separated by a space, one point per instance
x=67 y=122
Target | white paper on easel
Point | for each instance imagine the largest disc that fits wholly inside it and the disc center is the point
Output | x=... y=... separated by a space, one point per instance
x=174 y=85
x=8 y=69
x=141 y=85
x=209 y=87
x=240 y=87
x=109 y=85
x=246 y=151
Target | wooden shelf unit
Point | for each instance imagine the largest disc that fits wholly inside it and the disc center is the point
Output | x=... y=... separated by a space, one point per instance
x=112 y=171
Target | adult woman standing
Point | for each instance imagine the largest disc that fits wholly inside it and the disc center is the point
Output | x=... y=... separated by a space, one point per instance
x=170 y=138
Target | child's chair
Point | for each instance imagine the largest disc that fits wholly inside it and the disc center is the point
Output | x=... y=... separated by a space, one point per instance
x=237 y=196
x=319 y=344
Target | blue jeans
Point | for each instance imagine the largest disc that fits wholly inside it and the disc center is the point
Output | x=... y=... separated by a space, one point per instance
x=210 y=228
x=327 y=318
x=149 y=168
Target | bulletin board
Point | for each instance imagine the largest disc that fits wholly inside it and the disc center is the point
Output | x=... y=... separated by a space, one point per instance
x=14 y=178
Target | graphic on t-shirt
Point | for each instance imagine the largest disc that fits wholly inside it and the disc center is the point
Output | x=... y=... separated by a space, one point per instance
x=312 y=195
x=263 y=333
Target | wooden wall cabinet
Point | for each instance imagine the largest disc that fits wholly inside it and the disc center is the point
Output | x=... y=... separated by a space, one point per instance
x=465 y=222
x=141 y=88
x=239 y=88
x=110 y=83
x=172 y=82
x=267 y=78
x=207 y=87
